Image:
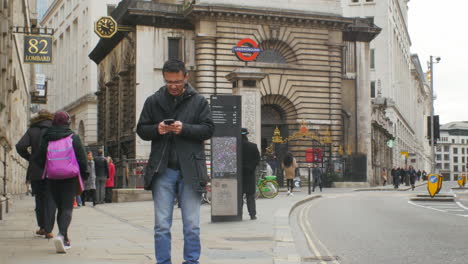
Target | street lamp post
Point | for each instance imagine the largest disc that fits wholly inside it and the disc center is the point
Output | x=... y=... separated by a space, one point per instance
x=431 y=68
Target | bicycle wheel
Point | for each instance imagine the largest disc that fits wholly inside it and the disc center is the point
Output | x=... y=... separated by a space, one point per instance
x=269 y=189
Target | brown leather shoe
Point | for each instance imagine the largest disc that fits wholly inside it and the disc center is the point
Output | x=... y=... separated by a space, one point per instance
x=49 y=235
x=40 y=232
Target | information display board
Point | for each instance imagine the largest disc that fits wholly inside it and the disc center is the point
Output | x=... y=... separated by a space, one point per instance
x=226 y=181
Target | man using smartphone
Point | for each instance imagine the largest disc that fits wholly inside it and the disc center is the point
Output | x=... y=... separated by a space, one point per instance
x=177 y=120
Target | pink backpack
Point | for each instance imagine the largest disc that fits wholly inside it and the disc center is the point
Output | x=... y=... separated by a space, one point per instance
x=61 y=161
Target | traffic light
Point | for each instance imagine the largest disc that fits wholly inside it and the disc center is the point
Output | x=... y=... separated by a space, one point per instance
x=436 y=129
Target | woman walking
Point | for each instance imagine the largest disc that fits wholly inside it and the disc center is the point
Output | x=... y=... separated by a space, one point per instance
x=90 y=183
x=63 y=158
x=289 y=165
x=110 y=180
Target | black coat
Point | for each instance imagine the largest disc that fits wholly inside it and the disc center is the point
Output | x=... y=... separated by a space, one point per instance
x=56 y=133
x=250 y=160
x=32 y=138
x=100 y=167
x=197 y=126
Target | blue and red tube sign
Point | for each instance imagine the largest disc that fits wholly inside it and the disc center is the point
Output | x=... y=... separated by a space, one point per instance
x=252 y=48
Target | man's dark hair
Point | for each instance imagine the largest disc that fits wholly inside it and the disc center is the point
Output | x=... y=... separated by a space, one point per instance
x=174 y=65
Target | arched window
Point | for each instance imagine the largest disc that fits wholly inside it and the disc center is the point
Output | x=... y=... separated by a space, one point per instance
x=276 y=51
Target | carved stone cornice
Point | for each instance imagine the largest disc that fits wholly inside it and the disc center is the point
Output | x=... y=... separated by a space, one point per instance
x=272 y=17
x=87 y=99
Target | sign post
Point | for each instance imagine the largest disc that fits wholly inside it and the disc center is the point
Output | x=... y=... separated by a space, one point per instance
x=226 y=159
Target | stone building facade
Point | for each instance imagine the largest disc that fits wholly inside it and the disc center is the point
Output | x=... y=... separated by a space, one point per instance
x=72 y=77
x=452 y=150
x=16 y=82
x=302 y=69
x=397 y=86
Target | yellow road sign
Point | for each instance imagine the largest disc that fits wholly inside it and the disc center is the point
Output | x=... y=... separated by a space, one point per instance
x=461 y=180
x=434 y=183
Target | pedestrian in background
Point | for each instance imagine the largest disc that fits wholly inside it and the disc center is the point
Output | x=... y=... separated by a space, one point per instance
x=90 y=184
x=250 y=160
x=402 y=175
x=418 y=175
x=110 y=180
x=317 y=176
x=396 y=177
x=289 y=166
x=424 y=175
x=28 y=147
x=102 y=174
x=273 y=162
x=177 y=120
x=384 y=176
x=411 y=173
x=63 y=186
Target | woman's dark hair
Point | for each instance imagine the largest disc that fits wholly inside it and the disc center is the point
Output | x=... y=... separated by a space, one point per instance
x=288 y=160
x=174 y=65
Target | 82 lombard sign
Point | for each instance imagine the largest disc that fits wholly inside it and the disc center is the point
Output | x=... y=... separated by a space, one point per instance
x=37 y=49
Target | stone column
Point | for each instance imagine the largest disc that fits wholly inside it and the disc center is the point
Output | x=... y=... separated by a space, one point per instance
x=246 y=83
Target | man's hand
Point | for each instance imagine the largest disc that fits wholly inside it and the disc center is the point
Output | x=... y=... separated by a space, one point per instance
x=163 y=128
x=176 y=127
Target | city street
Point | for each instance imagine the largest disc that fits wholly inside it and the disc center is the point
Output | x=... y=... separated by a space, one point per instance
x=381 y=227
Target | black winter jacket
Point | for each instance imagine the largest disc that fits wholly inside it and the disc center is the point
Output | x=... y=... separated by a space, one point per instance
x=250 y=160
x=197 y=126
x=32 y=138
x=101 y=167
x=56 y=133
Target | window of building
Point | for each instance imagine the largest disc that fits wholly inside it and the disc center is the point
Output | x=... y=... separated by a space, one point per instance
x=372 y=89
x=369 y=1
x=464 y=168
x=446 y=157
x=372 y=57
x=453 y=140
x=455 y=159
x=463 y=141
x=455 y=150
x=174 y=51
x=439 y=157
x=446 y=166
x=446 y=148
x=354 y=1
x=439 y=166
x=455 y=168
x=463 y=159
x=463 y=150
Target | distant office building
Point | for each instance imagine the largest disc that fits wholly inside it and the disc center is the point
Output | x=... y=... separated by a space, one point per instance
x=452 y=150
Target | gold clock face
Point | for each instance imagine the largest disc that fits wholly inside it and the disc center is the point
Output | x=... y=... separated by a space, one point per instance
x=105 y=27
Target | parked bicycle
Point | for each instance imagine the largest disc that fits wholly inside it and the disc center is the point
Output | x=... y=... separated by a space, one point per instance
x=267 y=186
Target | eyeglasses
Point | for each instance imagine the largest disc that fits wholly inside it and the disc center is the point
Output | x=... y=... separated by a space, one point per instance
x=178 y=82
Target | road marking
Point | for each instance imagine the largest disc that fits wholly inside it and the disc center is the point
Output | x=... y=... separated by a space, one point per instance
x=462 y=206
x=307 y=235
x=415 y=204
x=310 y=235
x=462 y=215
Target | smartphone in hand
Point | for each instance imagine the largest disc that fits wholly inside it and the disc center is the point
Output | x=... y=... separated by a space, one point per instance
x=169 y=122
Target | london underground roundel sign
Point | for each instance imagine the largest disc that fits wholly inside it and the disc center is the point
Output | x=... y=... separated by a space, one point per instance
x=252 y=48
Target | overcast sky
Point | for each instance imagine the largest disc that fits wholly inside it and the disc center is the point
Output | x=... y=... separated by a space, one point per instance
x=439 y=28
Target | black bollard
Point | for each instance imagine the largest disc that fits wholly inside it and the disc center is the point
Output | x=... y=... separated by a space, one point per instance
x=309 y=178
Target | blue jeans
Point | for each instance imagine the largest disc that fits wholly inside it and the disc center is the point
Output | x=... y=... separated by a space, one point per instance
x=166 y=188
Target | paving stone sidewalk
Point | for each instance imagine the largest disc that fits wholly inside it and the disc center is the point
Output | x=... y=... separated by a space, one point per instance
x=123 y=233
